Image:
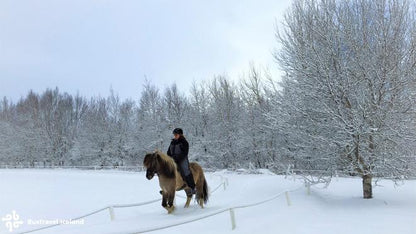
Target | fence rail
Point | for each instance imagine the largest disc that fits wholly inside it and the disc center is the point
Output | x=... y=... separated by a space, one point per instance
x=220 y=211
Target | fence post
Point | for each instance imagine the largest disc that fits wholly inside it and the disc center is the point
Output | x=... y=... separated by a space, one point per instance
x=111 y=210
x=287 y=172
x=232 y=216
x=287 y=198
x=308 y=188
x=224 y=183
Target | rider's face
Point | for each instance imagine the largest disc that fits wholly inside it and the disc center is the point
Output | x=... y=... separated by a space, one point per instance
x=176 y=136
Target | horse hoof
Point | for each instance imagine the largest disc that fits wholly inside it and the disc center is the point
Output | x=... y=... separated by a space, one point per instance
x=170 y=209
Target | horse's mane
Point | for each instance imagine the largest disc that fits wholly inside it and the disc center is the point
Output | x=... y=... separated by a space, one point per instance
x=166 y=164
x=148 y=161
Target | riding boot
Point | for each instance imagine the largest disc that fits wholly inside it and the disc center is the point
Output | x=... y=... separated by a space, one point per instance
x=190 y=181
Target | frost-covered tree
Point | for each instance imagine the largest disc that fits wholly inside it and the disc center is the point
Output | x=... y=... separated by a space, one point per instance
x=34 y=145
x=10 y=144
x=199 y=117
x=348 y=99
x=176 y=106
x=153 y=131
x=129 y=146
x=120 y=116
x=59 y=116
x=96 y=136
x=5 y=112
x=258 y=140
x=225 y=143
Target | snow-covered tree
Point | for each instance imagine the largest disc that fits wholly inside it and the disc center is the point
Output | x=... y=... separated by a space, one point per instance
x=96 y=136
x=258 y=140
x=59 y=116
x=225 y=144
x=199 y=121
x=348 y=99
x=153 y=132
x=176 y=106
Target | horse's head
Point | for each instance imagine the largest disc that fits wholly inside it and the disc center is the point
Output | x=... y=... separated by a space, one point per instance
x=150 y=163
x=159 y=163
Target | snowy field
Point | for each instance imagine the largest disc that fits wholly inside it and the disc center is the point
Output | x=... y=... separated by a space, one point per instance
x=49 y=195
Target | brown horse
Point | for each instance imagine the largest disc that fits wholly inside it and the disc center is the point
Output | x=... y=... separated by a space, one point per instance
x=171 y=181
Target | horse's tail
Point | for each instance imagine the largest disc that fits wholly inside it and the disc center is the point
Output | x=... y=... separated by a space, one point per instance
x=201 y=182
x=205 y=191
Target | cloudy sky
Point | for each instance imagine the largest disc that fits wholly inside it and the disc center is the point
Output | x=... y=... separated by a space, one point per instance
x=89 y=46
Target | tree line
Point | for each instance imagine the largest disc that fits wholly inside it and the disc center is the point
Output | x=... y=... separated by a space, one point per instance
x=224 y=122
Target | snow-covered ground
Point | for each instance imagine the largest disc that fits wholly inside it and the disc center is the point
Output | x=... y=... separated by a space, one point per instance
x=48 y=195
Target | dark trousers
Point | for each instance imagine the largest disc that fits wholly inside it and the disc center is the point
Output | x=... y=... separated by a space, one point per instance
x=184 y=168
x=186 y=173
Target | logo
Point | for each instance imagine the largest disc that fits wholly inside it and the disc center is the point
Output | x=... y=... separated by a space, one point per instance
x=12 y=221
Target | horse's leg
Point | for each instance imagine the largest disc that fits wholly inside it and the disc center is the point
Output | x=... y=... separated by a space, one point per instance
x=171 y=197
x=188 y=192
x=201 y=202
x=165 y=200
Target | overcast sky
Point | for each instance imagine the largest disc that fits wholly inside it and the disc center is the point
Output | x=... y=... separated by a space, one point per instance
x=89 y=46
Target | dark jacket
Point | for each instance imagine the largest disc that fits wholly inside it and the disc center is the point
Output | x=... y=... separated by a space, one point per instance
x=178 y=149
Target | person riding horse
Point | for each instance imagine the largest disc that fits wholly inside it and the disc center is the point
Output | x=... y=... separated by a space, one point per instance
x=178 y=150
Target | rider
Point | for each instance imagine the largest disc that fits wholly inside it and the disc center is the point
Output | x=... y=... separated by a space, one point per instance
x=178 y=150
